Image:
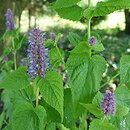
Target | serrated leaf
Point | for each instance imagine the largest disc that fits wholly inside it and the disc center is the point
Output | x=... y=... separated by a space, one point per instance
x=74 y=38
x=127 y=125
x=68 y=109
x=100 y=125
x=2 y=117
x=12 y=98
x=84 y=74
x=16 y=80
x=106 y=7
x=51 y=89
x=51 y=126
x=93 y=109
x=72 y=13
x=55 y=57
x=52 y=114
x=125 y=69
x=121 y=110
x=97 y=99
x=64 y=3
x=26 y=117
x=122 y=95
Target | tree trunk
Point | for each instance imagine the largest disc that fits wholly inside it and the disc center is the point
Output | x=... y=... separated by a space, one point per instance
x=127 y=22
x=29 y=17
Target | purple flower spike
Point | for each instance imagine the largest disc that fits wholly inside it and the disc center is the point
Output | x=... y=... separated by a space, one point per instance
x=92 y=41
x=37 y=54
x=109 y=104
x=10 y=23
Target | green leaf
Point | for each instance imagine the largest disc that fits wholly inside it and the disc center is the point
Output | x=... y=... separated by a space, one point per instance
x=97 y=99
x=55 y=58
x=127 y=125
x=100 y=125
x=12 y=98
x=68 y=109
x=26 y=117
x=121 y=110
x=84 y=74
x=16 y=80
x=74 y=38
x=93 y=109
x=52 y=114
x=125 y=69
x=51 y=126
x=64 y=3
x=18 y=42
x=2 y=117
x=72 y=13
x=122 y=95
x=106 y=7
x=51 y=89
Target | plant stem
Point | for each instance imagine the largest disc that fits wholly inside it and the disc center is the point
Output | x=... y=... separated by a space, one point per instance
x=15 y=61
x=14 y=54
x=110 y=80
x=89 y=29
x=59 y=53
x=89 y=22
x=37 y=96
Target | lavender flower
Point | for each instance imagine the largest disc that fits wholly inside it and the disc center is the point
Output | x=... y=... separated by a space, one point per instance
x=23 y=62
x=10 y=23
x=109 y=103
x=37 y=54
x=92 y=41
x=52 y=36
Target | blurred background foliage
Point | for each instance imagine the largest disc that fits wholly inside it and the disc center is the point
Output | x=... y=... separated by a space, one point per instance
x=114 y=29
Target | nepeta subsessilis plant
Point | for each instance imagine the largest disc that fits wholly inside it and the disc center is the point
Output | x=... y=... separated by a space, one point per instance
x=109 y=103
x=37 y=54
x=10 y=22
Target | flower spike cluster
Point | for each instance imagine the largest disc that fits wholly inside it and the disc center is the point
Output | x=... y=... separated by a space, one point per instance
x=10 y=22
x=109 y=104
x=37 y=54
x=92 y=41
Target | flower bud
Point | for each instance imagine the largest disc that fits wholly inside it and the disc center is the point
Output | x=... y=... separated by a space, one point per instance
x=92 y=41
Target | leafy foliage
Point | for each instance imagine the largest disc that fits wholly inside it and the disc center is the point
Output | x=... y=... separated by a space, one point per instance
x=94 y=110
x=125 y=69
x=26 y=117
x=55 y=57
x=16 y=80
x=68 y=109
x=85 y=74
x=71 y=13
x=52 y=103
x=52 y=90
x=63 y=3
x=99 y=125
x=106 y=7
